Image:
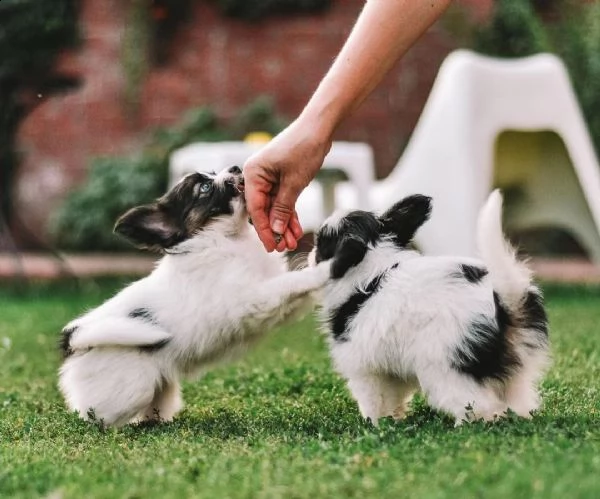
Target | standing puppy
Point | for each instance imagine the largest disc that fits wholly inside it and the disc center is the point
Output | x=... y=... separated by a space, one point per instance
x=472 y=335
x=214 y=293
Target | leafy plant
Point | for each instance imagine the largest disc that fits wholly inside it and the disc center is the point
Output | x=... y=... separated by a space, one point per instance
x=577 y=40
x=254 y=10
x=258 y=116
x=515 y=30
x=113 y=186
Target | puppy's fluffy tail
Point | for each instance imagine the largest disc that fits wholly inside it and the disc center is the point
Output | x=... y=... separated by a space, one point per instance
x=510 y=277
x=512 y=281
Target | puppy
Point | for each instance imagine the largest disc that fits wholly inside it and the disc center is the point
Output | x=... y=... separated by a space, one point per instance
x=214 y=293
x=472 y=335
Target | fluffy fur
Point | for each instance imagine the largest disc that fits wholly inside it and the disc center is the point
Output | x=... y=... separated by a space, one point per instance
x=471 y=334
x=214 y=293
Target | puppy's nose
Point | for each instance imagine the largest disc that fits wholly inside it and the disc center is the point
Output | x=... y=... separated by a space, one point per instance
x=236 y=170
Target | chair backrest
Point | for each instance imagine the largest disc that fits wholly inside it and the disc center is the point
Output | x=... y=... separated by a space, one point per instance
x=451 y=153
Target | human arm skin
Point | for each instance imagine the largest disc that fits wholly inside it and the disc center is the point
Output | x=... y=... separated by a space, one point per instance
x=277 y=174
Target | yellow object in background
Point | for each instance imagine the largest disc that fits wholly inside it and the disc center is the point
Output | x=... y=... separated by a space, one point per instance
x=258 y=137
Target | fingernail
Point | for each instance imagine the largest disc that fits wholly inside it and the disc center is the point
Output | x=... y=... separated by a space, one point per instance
x=278 y=227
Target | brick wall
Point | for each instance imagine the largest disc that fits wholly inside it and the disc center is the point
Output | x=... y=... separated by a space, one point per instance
x=215 y=61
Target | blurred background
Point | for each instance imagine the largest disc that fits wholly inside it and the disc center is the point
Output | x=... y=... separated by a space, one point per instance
x=96 y=94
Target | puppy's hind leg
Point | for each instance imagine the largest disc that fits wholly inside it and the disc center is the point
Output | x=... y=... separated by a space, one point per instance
x=167 y=402
x=404 y=394
x=109 y=385
x=461 y=396
x=521 y=395
x=521 y=389
x=379 y=395
x=521 y=392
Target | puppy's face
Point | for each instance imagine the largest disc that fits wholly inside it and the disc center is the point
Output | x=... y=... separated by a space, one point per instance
x=347 y=237
x=192 y=205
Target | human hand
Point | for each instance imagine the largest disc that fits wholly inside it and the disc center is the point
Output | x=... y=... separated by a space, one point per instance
x=275 y=176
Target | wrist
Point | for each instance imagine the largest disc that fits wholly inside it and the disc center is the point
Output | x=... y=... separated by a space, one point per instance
x=321 y=118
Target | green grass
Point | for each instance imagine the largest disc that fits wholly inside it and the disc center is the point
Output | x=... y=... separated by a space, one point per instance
x=281 y=424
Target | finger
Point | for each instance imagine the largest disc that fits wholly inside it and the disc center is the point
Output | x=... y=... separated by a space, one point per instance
x=260 y=220
x=290 y=240
x=295 y=226
x=263 y=229
x=282 y=210
x=258 y=204
x=281 y=245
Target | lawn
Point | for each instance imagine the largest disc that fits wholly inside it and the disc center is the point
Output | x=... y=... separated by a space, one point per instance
x=281 y=424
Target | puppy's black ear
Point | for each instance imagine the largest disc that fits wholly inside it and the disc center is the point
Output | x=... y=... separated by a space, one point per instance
x=404 y=218
x=349 y=253
x=148 y=226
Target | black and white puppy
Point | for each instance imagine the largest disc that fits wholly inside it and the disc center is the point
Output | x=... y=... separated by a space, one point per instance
x=472 y=335
x=214 y=293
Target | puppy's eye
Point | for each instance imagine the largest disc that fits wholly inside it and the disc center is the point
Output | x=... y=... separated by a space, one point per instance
x=205 y=187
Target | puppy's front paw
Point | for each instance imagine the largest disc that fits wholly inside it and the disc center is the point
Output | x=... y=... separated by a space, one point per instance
x=323 y=272
x=316 y=277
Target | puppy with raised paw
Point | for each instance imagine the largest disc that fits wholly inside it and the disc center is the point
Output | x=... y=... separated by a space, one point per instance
x=214 y=293
x=471 y=334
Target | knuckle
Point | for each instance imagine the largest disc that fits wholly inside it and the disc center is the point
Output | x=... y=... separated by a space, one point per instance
x=280 y=208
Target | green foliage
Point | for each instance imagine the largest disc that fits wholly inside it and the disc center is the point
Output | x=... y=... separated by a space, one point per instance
x=514 y=31
x=32 y=34
x=86 y=219
x=113 y=186
x=281 y=424
x=254 y=10
x=258 y=116
x=577 y=40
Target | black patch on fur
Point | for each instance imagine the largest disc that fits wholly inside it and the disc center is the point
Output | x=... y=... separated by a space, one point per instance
x=146 y=315
x=472 y=273
x=487 y=353
x=403 y=219
x=534 y=314
x=153 y=347
x=349 y=254
x=142 y=313
x=341 y=316
x=326 y=240
x=64 y=342
x=149 y=227
x=348 y=241
x=180 y=213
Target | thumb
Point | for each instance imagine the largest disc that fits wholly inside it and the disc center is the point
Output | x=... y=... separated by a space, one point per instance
x=282 y=209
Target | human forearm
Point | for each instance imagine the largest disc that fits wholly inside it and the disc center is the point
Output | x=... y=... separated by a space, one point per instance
x=276 y=175
x=385 y=30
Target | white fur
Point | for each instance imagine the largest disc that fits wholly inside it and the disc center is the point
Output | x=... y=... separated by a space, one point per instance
x=403 y=336
x=510 y=276
x=217 y=294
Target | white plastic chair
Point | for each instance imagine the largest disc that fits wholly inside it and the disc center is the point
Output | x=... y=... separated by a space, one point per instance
x=475 y=117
